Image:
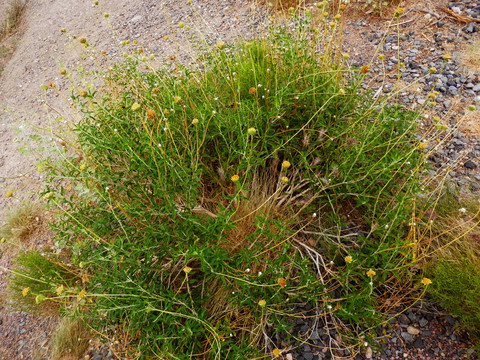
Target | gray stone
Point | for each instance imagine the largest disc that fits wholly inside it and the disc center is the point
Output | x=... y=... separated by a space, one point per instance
x=406 y=336
x=307 y=355
x=418 y=343
x=423 y=322
x=470 y=28
x=470 y=165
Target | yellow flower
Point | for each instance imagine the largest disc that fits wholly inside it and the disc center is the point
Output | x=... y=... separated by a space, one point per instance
x=83 y=93
x=251 y=131
x=195 y=121
x=95 y=3
x=106 y=15
x=426 y=281
x=276 y=352
x=62 y=71
x=187 y=269
x=447 y=57
x=221 y=45
x=81 y=294
x=284 y=179
x=252 y=90
x=472 y=108
x=83 y=167
x=181 y=24
x=282 y=282
x=177 y=99
x=59 y=290
x=235 y=178
x=286 y=164
x=399 y=12
x=136 y=106
x=262 y=303
x=25 y=291
x=82 y=40
x=348 y=259
x=9 y=194
x=371 y=273
x=423 y=146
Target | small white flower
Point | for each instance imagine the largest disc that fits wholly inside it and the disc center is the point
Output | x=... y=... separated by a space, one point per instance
x=408 y=163
x=462 y=210
x=314 y=214
x=233 y=292
x=331 y=262
x=386 y=226
x=260 y=273
x=329 y=307
x=115 y=130
x=214 y=112
x=248 y=270
x=371 y=283
x=365 y=343
x=259 y=85
x=159 y=145
x=107 y=188
x=216 y=99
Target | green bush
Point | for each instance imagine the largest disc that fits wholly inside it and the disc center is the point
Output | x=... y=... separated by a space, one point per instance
x=203 y=203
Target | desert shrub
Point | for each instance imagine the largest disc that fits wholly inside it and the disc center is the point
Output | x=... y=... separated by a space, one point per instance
x=37 y=277
x=203 y=204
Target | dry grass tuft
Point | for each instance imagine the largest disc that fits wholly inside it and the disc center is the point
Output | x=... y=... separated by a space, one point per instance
x=471 y=56
x=21 y=222
x=70 y=340
x=12 y=18
x=471 y=122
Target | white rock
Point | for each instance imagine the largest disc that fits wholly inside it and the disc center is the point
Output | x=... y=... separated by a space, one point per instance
x=413 y=331
x=456 y=10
